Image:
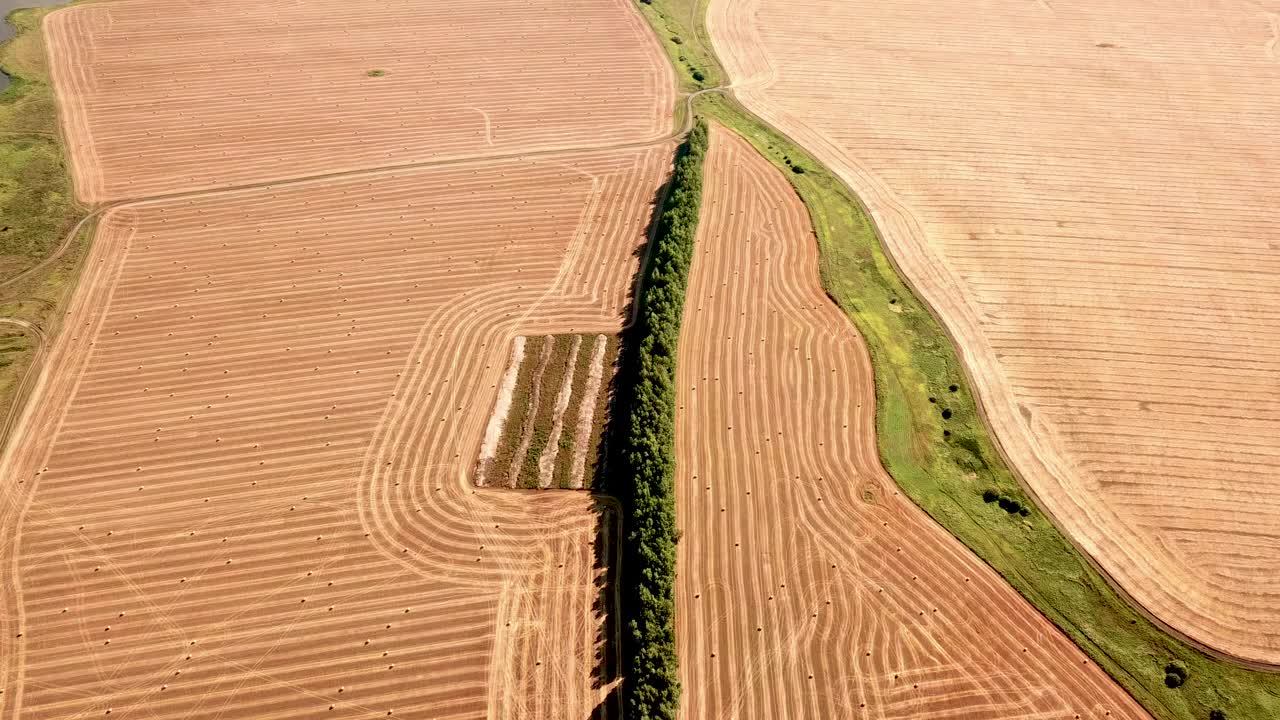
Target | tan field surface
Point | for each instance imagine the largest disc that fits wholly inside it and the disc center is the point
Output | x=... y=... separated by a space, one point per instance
x=159 y=97
x=1087 y=193
x=241 y=489
x=808 y=588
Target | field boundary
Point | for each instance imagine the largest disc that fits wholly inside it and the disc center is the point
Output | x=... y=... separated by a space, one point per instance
x=947 y=463
x=644 y=447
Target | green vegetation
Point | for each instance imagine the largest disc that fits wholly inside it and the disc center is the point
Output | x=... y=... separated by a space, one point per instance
x=37 y=206
x=944 y=459
x=376 y=73
x=678 y=24
x=543 y=416
x=527 y=418
x=645 y=459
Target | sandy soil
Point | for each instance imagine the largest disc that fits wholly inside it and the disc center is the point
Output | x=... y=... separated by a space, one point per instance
x=1087 y=192
x=240 y=490
x=159 y=97
x=808 y=588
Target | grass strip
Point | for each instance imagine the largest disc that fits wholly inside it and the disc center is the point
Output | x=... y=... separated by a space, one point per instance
x=544 y=415
x=37 y=204
x=569 y=433
x=646 y=448
x=513 y=429
x=936 y=446
x=597 y=447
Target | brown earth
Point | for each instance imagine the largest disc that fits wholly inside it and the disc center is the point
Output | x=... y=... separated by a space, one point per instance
x=245 y=465
x=159 y=97
x=1087 y=192
x=808 y=587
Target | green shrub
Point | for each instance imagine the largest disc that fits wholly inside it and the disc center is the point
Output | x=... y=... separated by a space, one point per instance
x=1174 y=675
x=646 y=449
x=1217 y=715
x=990 y=496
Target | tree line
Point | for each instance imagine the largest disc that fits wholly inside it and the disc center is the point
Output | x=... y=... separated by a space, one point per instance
x=645 y=453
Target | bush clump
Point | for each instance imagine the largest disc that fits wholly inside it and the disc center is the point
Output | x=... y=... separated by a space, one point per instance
x=1174 y=675
x=1007 y=504
x=646 y=449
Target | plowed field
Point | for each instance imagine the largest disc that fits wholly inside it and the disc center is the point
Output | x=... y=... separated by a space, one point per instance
x=808 y=587
x=243 y=482
x=1087 y=193
x=158 y=97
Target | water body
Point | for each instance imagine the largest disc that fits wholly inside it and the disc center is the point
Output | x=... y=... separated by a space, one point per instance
x=7 y=30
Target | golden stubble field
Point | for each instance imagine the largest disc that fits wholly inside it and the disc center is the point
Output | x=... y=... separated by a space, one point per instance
x=1087 y=192
x=158 y=99
x=808 y=586
x=245 y=480
x=242 y=486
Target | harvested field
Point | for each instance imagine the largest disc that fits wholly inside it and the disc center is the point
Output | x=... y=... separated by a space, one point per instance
x=160 y=98
x=548 y=423
x=1087 y=193
x=242 y=488
x=807 y=586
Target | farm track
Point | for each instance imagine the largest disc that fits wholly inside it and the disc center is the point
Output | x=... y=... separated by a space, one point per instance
x=808 y=587
x=1095 y=226
x=240 y=488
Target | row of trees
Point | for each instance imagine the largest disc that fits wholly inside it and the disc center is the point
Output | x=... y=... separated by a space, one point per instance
x=645 y=452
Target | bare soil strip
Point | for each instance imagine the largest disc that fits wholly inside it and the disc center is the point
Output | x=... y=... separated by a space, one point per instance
x=807 y=586
x=1095 y=223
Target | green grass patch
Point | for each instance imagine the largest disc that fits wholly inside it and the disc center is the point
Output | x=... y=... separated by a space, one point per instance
x=568 y=436
x=37 y=205
x=376 y=72
x=597 y=449
x=561 y=362
x=678 y=25
x=935 y=445
x=534 y=420
x=519 y=415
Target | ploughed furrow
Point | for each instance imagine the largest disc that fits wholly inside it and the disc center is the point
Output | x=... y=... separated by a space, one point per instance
x=243 y=481
x=159 y=98
x=1087 y=192
x=807 y=586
